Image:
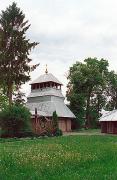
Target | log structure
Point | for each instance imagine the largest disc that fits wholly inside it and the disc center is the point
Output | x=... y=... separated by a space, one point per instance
x=109 y=122
x=46 y=97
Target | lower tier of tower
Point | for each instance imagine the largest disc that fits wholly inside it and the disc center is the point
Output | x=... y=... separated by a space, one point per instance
x=41 y=125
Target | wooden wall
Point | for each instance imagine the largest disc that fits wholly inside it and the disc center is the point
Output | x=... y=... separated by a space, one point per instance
x=109 y=127
x=41 y=127
x=65 y=124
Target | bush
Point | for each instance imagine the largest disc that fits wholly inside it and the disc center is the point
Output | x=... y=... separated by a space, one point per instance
x=14 y=121
x=55 y=119
x=58 y=132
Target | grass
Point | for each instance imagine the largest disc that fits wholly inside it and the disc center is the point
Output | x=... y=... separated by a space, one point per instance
x=62 y=158
x=92 y=131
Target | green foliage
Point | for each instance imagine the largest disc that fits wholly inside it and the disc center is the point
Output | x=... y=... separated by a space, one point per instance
x=111 y=91
x=3 y=101
x=3 y=98
x=58 y=132
x=72 y=157
x=15 y=49
x=19 y=98
x=87 y=82
x=55 y=120
x=15 y=120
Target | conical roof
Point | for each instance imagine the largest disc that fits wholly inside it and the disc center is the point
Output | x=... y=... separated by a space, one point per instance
x=48 y=77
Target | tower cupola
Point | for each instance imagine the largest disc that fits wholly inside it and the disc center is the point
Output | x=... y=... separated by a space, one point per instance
x=45 y=81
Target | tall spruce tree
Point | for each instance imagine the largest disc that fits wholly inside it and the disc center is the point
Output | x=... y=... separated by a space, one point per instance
x=14 y=49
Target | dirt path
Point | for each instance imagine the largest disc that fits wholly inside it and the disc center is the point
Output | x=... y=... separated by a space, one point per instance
x=83 y=133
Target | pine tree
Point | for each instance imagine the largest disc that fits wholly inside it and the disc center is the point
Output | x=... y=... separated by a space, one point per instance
x=14 y=49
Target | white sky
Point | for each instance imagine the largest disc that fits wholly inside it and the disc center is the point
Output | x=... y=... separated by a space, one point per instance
x=69 y=30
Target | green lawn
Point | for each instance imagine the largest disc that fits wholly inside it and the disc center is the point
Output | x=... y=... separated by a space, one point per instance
x=88 y=131
x=63 y=158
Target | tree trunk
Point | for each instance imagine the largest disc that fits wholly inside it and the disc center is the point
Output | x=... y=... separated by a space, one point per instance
x=98 y=104
x=10 y=92
x=87 y=122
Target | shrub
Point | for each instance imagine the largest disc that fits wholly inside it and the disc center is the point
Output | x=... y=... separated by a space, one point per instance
x=58 y=132
x=55 y=120
x=14 y=121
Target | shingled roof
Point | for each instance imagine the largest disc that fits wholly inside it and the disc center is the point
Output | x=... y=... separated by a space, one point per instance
x=48 y=99
x=109 y=116
x=48 y=77
x=48 y=107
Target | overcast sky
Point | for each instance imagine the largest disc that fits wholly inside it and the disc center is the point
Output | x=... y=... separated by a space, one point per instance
x=69 y=31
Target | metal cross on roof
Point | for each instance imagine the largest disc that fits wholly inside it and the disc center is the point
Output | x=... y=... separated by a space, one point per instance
x=46 y=71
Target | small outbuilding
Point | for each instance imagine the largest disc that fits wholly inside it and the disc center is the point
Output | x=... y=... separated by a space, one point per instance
x=109 y=122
